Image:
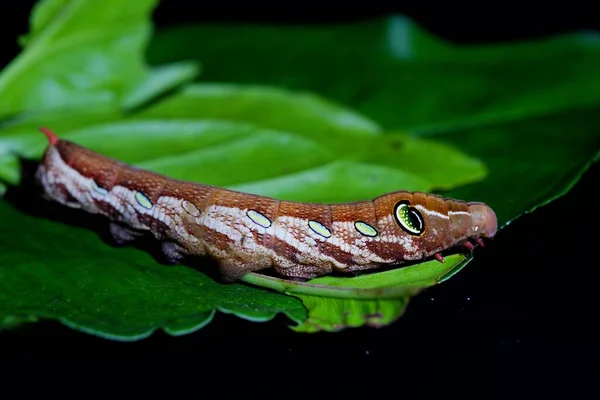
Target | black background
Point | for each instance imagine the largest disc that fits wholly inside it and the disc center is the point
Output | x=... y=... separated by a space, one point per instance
x=519 y=321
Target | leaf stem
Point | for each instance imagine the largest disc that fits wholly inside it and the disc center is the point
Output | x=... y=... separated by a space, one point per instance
x=292 y=287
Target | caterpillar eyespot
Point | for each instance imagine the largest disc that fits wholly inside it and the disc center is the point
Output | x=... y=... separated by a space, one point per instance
x=409 y=218
x=246 y=232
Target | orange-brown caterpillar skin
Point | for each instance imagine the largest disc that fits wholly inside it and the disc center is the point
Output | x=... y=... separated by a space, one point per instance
x=246 y=232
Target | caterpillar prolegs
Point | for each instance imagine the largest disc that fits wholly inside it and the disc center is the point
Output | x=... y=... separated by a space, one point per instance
x=246 y=232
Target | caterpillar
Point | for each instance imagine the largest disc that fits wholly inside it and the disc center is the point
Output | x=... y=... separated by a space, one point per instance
x=245 y=232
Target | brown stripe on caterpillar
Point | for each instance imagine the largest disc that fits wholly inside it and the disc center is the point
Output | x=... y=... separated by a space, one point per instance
x=246 y=232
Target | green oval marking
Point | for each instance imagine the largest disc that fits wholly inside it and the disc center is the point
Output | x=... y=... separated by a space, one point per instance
x=143 y=200
x=365 y=229
x=409 y=218
x=258 y=218
x=319 y=228
x=98 y=189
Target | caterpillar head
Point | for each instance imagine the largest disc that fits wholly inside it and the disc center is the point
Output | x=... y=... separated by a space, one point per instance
x=483 y=220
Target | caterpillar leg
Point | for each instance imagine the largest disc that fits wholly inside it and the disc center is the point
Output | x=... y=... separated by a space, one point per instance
x=300 y=272
x=469 y=246
x=232 y=270
x=122 y=234
x=173 y=252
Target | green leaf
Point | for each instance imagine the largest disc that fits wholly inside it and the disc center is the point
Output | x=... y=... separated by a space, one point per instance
x=375 y=299
x=332 y=315
x=9 y=169
x=192 y=149
x=530 y=162
x=329 y=183
x=20 y=137
x=83 y=53
x=523 y=113
x=123 y=294
x=11 y=321
x=269 y=107
x=68 y=118
x=421 y=275
x=159 y=80
x=41 y=17
x=347 y=134
x=326 y=148
x=118 y=293
x=335 y=314
x=248 y=158
x=390 y=284
x=442 y=165
x=394 y=72
x=197 y=150
x=258 y=158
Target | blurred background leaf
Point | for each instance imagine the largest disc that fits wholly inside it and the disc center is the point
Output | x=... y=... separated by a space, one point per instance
x=86 y=53
x=394 y=72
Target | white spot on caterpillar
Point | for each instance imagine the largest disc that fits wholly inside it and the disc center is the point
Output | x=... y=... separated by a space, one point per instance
x=143 y=200
x=319 y=228
x=160 y=215
x=365 y=229
x=432 y=212
x=100 y=190
x=259 y=218
x=130 y=209
x=458 y=212
x=190 y=208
